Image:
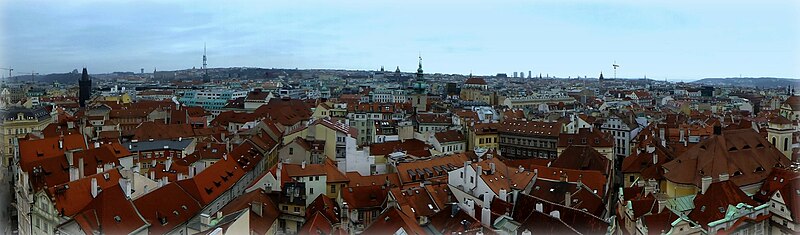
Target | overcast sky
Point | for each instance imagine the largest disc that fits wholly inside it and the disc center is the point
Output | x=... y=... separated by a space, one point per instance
x=661 y=39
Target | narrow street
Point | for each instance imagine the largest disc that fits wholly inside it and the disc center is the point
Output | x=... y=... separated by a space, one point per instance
x=5 y=203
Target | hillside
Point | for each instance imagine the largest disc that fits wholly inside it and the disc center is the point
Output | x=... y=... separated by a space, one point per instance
x=764 y=82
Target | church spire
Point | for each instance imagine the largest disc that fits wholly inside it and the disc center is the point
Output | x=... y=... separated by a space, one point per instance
x=419 y=70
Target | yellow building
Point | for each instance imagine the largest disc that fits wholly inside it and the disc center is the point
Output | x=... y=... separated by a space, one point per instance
x=483 y=135
x=476 y=89
x=17 y=122
x=335 y=135
x=123 y=98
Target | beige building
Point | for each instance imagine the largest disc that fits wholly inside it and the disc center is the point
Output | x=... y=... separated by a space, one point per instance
x=16 y=122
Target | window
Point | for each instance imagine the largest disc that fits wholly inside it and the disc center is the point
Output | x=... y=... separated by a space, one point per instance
x=291 y=151
x=297 y=209
x=631 y=178
x=285 y=208
x=333 y=188
x=311 y=190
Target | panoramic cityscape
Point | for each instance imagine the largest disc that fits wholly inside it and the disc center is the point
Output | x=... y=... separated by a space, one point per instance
x=511 y=118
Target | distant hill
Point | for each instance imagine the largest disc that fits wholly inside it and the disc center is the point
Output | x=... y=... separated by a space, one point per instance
x=765 y=82
x=63 y=78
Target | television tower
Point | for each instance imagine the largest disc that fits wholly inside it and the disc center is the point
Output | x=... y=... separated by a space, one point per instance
x=205 y=72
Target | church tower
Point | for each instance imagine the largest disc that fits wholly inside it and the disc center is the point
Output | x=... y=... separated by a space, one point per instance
x=419 y=97
x=779 y=133
x=85 y=89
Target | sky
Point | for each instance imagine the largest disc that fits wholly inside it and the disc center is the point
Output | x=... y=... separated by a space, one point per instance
x=674 y=40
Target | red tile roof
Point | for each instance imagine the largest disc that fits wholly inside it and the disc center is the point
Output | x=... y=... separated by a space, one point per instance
x=587 y=137
x=425 y=167
x=712 y=205
x=582 y=158
x=110 y=213
x=742 y=154
x=365 y=197
x=412 y=145
x=356 y=179
x=164 y=217
x=774 y=182
x=72 y=197
x=531 y=128
x=393 y=220
x=475 y=80
x=259 y=224
x=449 y=136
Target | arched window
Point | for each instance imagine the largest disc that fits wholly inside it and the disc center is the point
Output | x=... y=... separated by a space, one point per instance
x=774 y=141
x=785 y=144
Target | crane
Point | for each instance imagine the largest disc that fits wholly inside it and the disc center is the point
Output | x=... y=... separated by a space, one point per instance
x=615 y=65
x=9 y=71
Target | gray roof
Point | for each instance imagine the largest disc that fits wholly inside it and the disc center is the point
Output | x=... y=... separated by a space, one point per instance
x=12 y=113
x=158 y=144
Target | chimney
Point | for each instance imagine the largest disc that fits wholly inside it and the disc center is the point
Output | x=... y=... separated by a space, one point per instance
x=81 y=173
x=61 y=143
x=96 y=144
x=717 y=130
x=503 y=194
x=466 y=164
x=257 y=208
x=479 y=171
x=278 y=175
x=152 y=175
x=303 y=165
x=205 y=221
x=539 y=207
x=165 y=180
x=168 y=164
x=73 y=174
x=492 y=168
x=655 y=157
x=705 y=181
x=94 y=187
x=192 y=171
x=567 y=199
x=487 y=200
x=723 y=177
x=486 y=217
x=681 y=135
x=127 y=186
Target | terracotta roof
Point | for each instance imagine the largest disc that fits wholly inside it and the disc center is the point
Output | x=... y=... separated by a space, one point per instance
x=659 y=223
x=530 y=128
x=485 y=128
x=316 y=224
x=712 y=205
x=582 y=158
x=285 y=112
x=412 y=145
x=475 y=80
x=461 y=223
x=774 y=182
x=449 y=136
x=742 y=154
x=111 y=212
x=160 y=131
x=641 y=161
x=223 y=174
x=72 y=197
x=778 y=119
x=793 y=102
x=586 y=137
x=233 y=117
x=426 y=168
x=364 y=197
x=391 y=221
x=164 y=217
x=570 y=221
x=594 y=180
x=791 y=196
x=433 y=118
x=259 y=224
x=356 y=179
x=326 y=207
x=417 y=198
